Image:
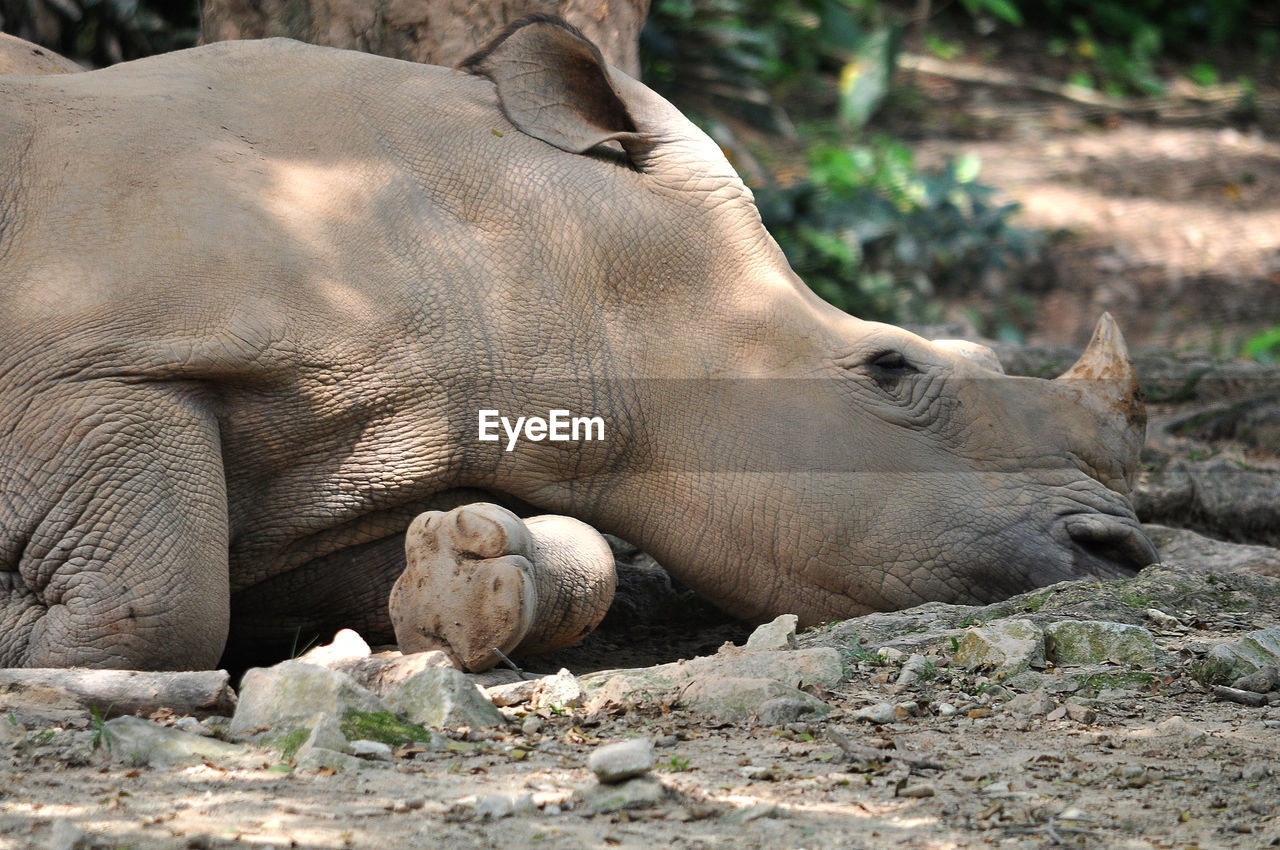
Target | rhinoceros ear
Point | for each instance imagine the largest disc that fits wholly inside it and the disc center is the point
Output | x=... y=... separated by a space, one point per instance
x=553 y=85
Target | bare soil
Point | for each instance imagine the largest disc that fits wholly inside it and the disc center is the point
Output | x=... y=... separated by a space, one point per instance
x=1159 y=765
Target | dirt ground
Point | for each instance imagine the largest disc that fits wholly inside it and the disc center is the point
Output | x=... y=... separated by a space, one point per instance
x=1162 y=211
x=1163 y=765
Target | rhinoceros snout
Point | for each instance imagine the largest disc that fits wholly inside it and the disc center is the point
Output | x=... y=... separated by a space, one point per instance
x=1108 y=546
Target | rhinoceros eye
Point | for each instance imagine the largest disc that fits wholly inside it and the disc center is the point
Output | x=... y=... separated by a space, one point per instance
x=890 y=361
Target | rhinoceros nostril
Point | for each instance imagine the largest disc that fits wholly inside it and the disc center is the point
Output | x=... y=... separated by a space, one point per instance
x=1108 y=546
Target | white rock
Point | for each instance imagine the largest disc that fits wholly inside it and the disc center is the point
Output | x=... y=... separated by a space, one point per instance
x=879 y=714
x=444 y=698
x=562 y=689
x=496 y=806
x=641 y=792
x=371 y=750
x=778 y=634
x=626 y=759
x=136 y=741
x=290 y=693
x=346 y=644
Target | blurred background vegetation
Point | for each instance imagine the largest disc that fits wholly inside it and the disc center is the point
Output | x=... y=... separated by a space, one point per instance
x=792 y=90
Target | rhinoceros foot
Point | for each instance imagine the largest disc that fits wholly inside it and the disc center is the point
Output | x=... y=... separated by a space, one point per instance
x=480 y=583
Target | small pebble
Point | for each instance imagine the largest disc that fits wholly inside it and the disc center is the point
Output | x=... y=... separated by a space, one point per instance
x=879 y=714
x=626 y=759
x=372 y=750
x=919 y=790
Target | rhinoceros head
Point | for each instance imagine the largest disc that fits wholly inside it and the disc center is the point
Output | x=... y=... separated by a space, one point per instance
x=773 y=452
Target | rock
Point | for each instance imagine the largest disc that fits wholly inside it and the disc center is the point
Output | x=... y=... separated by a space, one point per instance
x=1010 y=646
x=779 y=634
x=1081 y=713
x=192 y=725
x=626 y=759
x=798 y=669
x=562 y=690
x=1265 y=680
x=1161 y=619
x=1215 y=497
x=291 y=693
x=1249 y=654
x=318 y=758
x=371 y=750
x=135 y=741
x=1182 y=546
x=512 y=693
x=912 y=669
x=1036 y=704
x=497 y=806
x=64 y=835
x=1075 y=642
x=641 y=792
x=1178 y=727
x=346 y=644
x=734 y=699
x=917 y=790
x=780 y=711
x=444 y=698
x=386 y=671
x=945 y=709
x=325 y=733
x=879 y=714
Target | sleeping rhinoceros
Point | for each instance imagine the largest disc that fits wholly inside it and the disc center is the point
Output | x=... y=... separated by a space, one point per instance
x=262 y=301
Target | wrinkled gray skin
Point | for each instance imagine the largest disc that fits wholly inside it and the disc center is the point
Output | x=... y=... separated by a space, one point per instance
x=255 y=293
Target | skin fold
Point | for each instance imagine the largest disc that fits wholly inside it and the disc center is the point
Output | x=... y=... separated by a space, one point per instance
x=256 y=293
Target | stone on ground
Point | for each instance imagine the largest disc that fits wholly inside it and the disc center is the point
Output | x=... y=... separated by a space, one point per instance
x=290 y=693
x=640 y=792
x=731 y=699
x=135 y=741
x=1009 y=646
x=778 y=634
x=444 y=698
x=1074 y=642
x=614 y=763
x=1250 y=653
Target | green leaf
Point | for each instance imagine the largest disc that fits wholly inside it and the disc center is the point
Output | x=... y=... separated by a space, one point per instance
x=864 y=80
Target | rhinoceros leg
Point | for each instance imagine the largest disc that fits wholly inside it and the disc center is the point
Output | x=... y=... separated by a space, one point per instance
x=126 y=563
x=479 y=578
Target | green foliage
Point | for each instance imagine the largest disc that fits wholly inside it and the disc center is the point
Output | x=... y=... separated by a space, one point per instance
x=381 y=726
x=876 y=237
x=676 y=764
x=101 y=736
x=1118 y=44
x=102 y=32
x=865 y=228
x=1264 y=347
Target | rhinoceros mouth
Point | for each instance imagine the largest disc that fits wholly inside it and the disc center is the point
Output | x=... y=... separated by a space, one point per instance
x=1108 y=546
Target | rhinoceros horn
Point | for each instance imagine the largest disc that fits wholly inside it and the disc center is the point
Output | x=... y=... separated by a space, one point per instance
x=1104 y=379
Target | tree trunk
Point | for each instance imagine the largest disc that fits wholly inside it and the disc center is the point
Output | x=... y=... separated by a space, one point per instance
x=438 y=32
